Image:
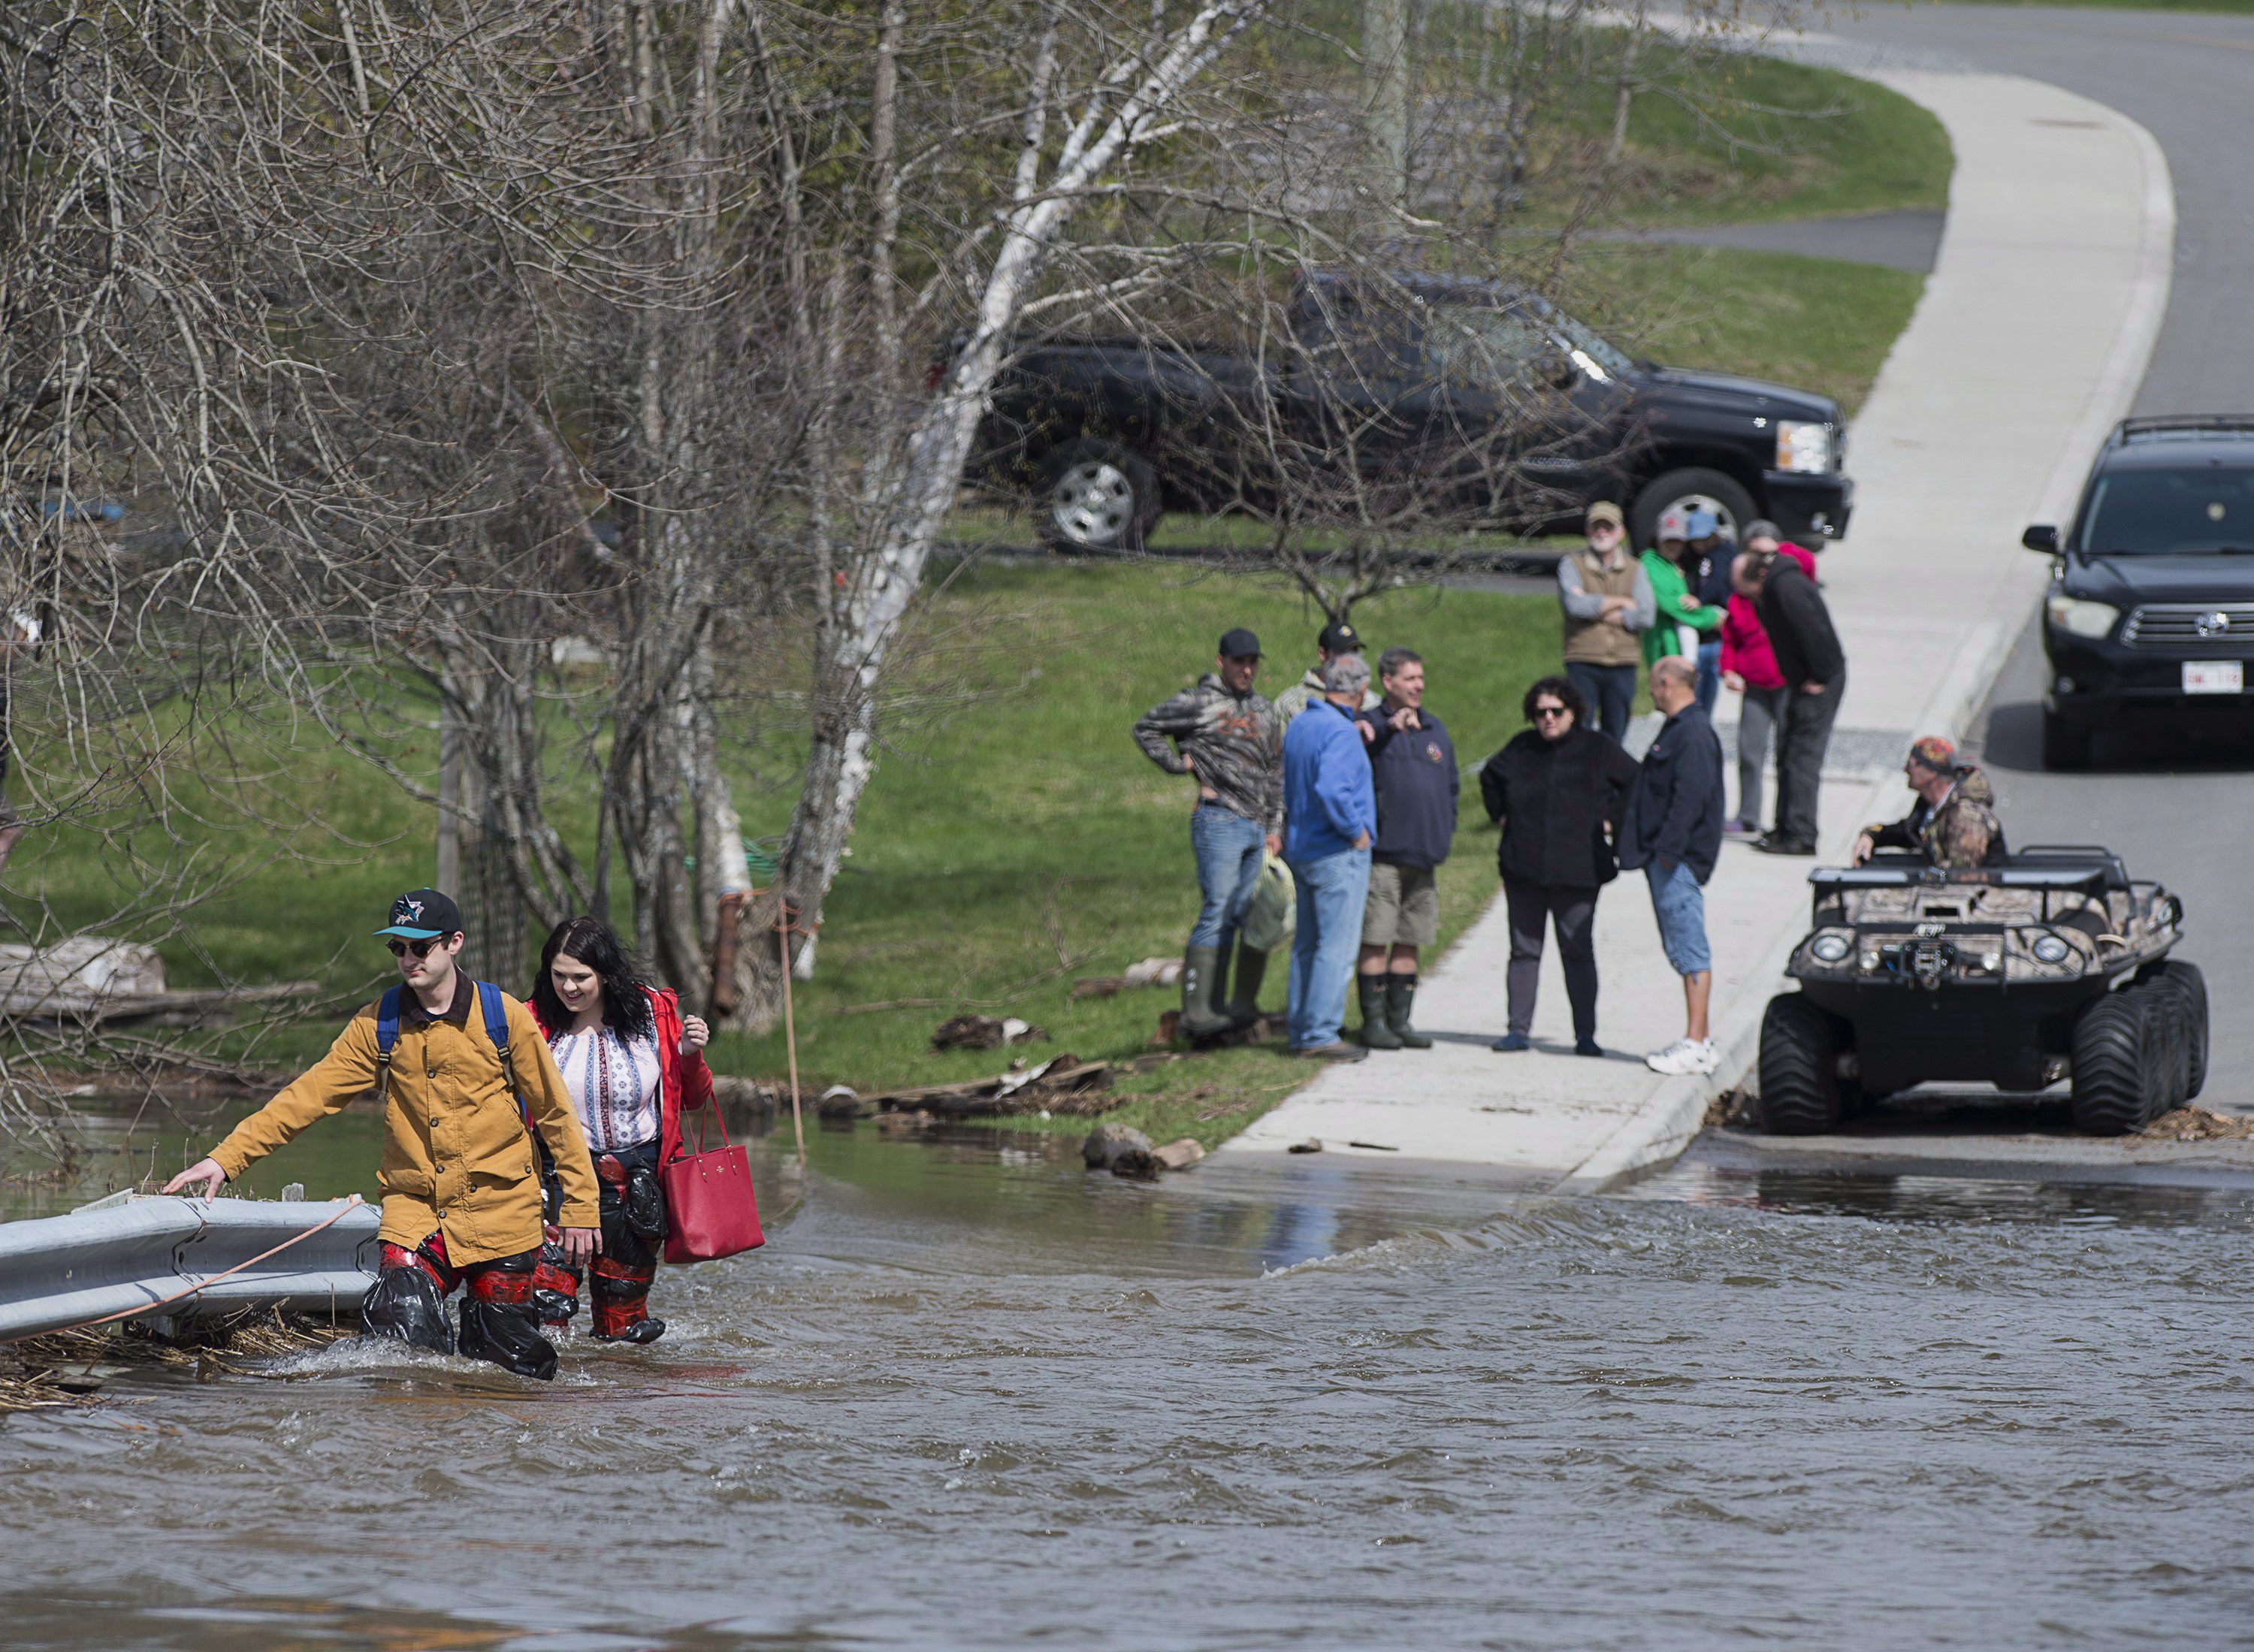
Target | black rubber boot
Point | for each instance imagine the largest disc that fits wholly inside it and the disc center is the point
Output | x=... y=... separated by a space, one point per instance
x=1400 y=996
x=1251 y=970
x=1200 y=1019
x=1376 y=1023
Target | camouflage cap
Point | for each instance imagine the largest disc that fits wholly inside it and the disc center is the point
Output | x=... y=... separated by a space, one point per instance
x=1933 y=753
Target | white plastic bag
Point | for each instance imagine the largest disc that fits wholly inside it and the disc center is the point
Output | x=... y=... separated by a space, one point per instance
x=1274 y=913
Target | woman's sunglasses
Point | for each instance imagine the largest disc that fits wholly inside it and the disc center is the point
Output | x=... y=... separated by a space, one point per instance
x=1543 y=713
x=420 y=948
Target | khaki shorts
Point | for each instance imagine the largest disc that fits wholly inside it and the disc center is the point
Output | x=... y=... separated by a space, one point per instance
x=1403 y=907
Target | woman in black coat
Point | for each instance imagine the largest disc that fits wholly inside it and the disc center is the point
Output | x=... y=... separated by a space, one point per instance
x=1557 y=791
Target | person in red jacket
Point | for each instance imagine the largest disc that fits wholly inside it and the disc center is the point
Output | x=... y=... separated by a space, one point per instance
x=633 y=1062
x=1749 y=667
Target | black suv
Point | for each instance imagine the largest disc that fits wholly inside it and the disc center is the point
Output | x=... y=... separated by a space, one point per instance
x=2150 y=605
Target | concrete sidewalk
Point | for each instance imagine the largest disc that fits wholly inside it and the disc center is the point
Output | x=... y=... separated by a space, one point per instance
x=2034 y=328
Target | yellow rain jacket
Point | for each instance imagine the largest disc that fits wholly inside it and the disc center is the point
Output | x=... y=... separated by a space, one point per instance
x=455 y=1154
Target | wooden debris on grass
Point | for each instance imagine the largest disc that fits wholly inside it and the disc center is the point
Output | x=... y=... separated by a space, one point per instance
x=101 y=980
x=1063 y=1083
x=1152 y=972
x=973 y=1031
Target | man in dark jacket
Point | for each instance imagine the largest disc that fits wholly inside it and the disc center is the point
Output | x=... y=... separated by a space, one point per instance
x=1815 y=667
x=1227 y=737
x=1673 y=829
x=1557 y=791
x=1413 y=764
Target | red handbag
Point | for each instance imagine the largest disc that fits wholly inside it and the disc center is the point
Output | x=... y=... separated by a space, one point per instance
x=710 y=1209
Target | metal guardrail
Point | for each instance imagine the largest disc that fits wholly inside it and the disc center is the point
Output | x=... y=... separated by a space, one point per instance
x=59 y=1271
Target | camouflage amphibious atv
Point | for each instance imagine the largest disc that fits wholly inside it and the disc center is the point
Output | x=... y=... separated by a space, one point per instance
x=2054 y=965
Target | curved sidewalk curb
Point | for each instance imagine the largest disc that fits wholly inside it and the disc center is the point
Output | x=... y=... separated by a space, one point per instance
x=1671 y=1117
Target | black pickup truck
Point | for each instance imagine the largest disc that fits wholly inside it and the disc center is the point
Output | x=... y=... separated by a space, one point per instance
x=1483 y=396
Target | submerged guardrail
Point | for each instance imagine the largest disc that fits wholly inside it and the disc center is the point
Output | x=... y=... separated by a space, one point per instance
x=109 y=1260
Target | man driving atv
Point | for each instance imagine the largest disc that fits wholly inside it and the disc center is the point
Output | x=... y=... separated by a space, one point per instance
x=1953 y=823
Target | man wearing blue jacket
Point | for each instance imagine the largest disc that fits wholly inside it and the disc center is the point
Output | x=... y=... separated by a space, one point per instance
x=1330 y=809
x=1413 y=762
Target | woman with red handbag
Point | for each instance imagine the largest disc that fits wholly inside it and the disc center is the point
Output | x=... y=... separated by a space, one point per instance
x=633 y=1063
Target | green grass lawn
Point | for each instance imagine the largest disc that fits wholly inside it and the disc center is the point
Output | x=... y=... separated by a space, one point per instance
x=1017 y=844
x=1014 y=839
x=1816 y=324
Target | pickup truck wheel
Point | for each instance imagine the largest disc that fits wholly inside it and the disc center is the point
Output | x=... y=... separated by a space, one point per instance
x=1800 y=1090
x=2065 y=745
x=2114 y=1051
x=1693 y=488
x=1097 y=496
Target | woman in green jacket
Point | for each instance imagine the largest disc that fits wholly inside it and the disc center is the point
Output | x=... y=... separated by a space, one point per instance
x=1682 y=621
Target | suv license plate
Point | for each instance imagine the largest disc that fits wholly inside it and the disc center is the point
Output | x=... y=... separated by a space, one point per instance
x=2214 y=677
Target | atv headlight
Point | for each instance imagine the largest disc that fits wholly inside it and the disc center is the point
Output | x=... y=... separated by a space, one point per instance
x=1803 y=446
x=1830 y=947
x=2051 y=950
x=2079 y=616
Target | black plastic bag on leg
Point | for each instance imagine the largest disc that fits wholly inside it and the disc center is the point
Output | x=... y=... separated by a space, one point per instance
x=403 y=1304
x=506 y=1334
x=643 y=1205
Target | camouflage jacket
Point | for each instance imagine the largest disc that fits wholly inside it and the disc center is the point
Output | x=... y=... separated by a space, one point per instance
x=1236 y=744
x=1960 y=832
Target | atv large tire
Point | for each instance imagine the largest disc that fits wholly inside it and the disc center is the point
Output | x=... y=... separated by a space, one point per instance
x=1800 y=1089
x=2119 y=1053
x=2167 y=1063
x=2188 y=986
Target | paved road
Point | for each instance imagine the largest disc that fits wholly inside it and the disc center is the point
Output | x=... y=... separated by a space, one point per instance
x=2177 y=812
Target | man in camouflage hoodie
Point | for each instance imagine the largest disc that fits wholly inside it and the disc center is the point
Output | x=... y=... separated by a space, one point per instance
x=1229 y=739
x=1953 y=823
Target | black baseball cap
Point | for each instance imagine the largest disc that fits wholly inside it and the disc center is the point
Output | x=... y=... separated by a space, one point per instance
x=1340 y=638
x=422 y=914
x=1235 y=645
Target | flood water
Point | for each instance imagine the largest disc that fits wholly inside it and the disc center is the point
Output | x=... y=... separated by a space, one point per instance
x=970 y=1395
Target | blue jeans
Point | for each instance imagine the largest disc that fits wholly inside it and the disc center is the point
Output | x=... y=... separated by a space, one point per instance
x=1680 y=906
x=1710 y=675
x=1332 y=892
x=1610 y=691
x=1228 y=848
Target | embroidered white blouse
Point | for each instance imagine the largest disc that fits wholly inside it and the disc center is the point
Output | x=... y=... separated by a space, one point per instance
x=613 y=1083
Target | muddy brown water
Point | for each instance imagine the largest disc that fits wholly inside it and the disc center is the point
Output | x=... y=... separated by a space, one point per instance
x=970 y=1395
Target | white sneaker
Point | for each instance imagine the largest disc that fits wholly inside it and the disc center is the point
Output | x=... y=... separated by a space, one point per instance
x=1684 y=1056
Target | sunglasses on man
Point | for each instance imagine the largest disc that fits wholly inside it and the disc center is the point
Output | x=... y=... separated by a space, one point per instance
x=420 y=948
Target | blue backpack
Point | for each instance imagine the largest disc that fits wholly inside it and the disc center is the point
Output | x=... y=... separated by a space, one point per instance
x=496 y=1016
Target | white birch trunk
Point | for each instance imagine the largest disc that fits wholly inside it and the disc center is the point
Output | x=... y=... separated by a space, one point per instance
x=841 y=759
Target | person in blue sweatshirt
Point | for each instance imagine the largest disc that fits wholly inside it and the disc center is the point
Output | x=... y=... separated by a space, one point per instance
x=1413 y=762
x=1330 y=812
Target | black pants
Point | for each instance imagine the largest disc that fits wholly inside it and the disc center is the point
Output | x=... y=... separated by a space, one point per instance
x=1572 y=909
x=1800 y=745
x=623 y=1273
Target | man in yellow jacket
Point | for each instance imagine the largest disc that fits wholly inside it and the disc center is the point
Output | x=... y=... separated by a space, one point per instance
x=460 y=1173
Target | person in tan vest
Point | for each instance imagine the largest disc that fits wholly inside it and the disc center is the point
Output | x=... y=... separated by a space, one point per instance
x=1607 y=600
